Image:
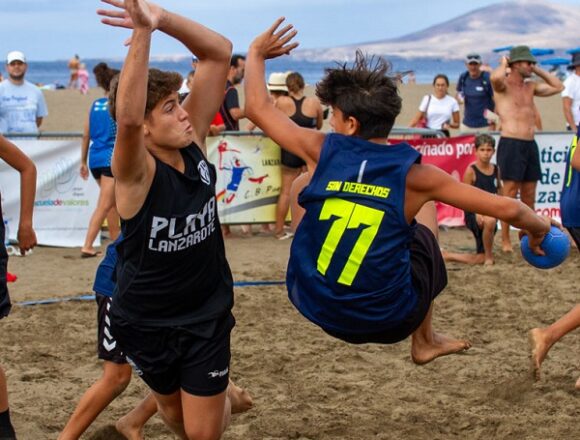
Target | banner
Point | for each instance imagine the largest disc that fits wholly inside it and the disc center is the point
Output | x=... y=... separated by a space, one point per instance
x=452 y=155
x=248 y=182
x=64 y=201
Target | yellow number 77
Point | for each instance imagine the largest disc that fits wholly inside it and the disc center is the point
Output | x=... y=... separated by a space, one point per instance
x=348 y=215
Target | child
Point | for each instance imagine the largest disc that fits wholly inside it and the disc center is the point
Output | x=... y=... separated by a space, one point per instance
x=542 y=339
x=360 y=266
x=485 y=176
x=116 y=371
x=26 y=241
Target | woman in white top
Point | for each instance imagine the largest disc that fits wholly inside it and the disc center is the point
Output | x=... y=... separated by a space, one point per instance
x=440 y=109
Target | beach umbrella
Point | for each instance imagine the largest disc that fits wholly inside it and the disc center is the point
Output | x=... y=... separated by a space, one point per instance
x=572 y=51
x=501 y=49
x=555 y=62
x=539 y=52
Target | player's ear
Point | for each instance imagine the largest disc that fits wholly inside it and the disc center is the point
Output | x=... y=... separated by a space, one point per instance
x=352 y=126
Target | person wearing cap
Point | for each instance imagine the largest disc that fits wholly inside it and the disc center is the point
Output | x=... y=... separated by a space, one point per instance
x=22 y=104
x=571 y=94
x=518 y=156
x=474 y=90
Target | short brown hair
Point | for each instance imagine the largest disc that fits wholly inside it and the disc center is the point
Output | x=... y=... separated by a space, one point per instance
x=294 y=82
x=160 y=85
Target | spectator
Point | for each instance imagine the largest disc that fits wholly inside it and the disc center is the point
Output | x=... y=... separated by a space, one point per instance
x=439 y=110
x=571 y=94
x=185 y=85
x=474 y=90
x=22 y=105
x=74 y=65
x=230 y=109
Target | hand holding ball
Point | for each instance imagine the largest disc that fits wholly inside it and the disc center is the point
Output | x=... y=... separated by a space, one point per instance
x=555 y=245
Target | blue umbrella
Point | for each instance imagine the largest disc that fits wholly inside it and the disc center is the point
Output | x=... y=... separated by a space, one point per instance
x=539 y=52
x=555 y=62
x=575 y=50
x=501 y=49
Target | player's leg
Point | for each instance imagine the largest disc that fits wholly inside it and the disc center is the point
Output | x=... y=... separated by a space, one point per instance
x=283 y=203
x=113 y=382
x=297 y=211
x=510 y=189
x=456 y=257
x=542 y=339
x=105 y=202
x=171 y=412
x=6 y=428
x=131 y=424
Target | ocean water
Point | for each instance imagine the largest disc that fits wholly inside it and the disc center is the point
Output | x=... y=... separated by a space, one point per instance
x=56 y=72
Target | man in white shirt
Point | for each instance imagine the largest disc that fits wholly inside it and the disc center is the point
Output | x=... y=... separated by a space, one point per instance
x=22 y=104
x=571 y=95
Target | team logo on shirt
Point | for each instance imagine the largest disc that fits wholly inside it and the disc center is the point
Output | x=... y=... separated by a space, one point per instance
x=204 y=172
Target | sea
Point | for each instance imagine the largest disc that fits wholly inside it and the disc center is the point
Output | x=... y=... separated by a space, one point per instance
x=54 y=74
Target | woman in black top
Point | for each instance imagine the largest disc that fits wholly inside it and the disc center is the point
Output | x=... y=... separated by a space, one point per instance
x=305 y=112
x=171 y=311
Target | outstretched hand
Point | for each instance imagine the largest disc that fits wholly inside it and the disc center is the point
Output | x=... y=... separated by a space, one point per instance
x=274 y=43
x=132 y=14
x=535 y=240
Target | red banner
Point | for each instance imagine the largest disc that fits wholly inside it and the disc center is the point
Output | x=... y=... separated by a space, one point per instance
x=452 y=155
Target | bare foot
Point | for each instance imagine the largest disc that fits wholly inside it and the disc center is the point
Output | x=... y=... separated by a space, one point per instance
x=423 y=352
x=239 y=398
x=539 y=346
x=578 y=384
x=128 y=430
x=506 y=247
x=488 y=262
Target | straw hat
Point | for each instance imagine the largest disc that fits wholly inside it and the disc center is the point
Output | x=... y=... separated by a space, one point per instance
x=277 y=82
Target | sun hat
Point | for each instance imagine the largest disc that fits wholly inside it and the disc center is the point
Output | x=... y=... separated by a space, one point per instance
x=277 y=82
x=521 y=53
x=473 y=58
x=15 y=55
x=575 y=59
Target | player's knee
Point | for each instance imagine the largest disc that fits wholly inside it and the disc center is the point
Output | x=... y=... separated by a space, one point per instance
x=203 y=432
x=489 y=222
x=118 y=377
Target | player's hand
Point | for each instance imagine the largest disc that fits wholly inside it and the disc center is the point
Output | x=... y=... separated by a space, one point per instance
x=26 y=239
x=274 y=43
x=84 y=171
x=535 y=240
x=132 y=14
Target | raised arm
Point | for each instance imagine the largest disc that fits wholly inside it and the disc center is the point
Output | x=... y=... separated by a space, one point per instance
x=551 y=86
x=21 y=163
x=499 y=74
x=303 y=142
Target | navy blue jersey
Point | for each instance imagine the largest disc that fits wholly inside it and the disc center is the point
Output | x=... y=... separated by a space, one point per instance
x=102 y=131
x=349 y=268
x=105 y=278
x=570 y=200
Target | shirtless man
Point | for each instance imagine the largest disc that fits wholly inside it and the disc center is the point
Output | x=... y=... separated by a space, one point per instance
x=517 y=153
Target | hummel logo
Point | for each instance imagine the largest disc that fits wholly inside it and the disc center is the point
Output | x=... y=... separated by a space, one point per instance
x=216 y=373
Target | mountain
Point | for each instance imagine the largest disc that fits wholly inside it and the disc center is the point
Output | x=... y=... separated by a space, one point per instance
x=531 y=22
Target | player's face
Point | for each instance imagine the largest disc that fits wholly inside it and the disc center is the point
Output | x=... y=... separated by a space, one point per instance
x=337 y=122
x=168 y=124
x=16 y=70
x=484 y=153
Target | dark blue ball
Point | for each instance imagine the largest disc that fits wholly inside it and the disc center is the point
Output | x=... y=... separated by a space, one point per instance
x=555 y=245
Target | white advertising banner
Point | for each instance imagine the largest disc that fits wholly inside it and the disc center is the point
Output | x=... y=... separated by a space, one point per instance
x=64 y=201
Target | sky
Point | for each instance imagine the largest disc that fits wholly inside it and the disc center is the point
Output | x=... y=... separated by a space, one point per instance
x=48 y=30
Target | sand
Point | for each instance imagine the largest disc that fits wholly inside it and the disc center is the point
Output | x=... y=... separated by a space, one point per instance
x=307 y=385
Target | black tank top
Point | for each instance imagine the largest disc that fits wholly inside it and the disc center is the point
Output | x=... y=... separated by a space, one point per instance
x=299 y=117
x=485 y=182
x=172 y=266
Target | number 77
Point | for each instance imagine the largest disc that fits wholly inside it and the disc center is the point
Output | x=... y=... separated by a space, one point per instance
x=348 y=215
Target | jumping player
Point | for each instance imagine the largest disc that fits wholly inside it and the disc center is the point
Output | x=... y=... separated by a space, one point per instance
x=172 y=309
x=360 y=266
x=16 y=159
x=542 y=339
x=116 y=371
x=483 y=175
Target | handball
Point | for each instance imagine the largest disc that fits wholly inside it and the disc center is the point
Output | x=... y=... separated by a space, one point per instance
x=555 y=245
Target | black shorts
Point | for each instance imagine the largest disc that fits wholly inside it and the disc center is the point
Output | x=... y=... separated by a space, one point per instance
x=575 y=233
x=193 y=357
x=107 y=347
x=471 y=224
x=101 y=171
x=429 y=279
x=291 y=161
x=518 y=160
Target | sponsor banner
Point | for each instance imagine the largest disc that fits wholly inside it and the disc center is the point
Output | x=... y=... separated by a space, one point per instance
x=64 y=201
x=452 y=155
x=248 y=177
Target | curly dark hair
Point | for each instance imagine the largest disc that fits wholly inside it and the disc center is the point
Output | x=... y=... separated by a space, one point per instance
x=160 y=85
x=364 y=91
x=104 y=74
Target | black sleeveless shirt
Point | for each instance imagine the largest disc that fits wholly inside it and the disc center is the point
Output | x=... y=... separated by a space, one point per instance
x=172 y=267
x=485 y=182
x=300 y=118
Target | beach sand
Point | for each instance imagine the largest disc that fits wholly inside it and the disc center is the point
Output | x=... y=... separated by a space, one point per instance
x=305 y=384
